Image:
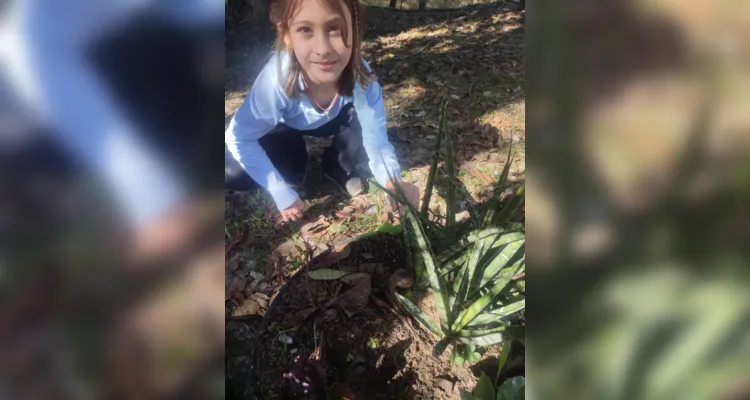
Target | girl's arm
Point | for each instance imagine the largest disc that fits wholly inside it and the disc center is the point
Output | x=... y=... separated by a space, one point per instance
x=260 y=112
x=371 y=114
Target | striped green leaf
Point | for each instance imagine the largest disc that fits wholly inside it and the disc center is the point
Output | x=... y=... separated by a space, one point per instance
x=496 y=315
x=478 y=306
x=433 y=167
x=510 y=255
x=437 y=284
x=484 y=337
x=488 y=253
x=458 y=249
x=419 y=315
x=450 y=200
x=494 y=203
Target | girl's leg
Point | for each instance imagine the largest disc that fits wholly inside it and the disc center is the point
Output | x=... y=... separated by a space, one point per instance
x=286 y=149
x=340 y=161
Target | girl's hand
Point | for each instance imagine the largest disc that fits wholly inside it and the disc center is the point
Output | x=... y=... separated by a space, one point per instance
x=411 y=192
x=293 y=212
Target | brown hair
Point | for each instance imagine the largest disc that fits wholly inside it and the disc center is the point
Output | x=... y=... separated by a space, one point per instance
x=354 y=71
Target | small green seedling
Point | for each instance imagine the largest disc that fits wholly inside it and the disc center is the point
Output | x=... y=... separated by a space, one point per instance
x=373 y=343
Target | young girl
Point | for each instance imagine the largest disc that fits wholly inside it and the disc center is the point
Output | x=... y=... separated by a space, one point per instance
x=315 y=84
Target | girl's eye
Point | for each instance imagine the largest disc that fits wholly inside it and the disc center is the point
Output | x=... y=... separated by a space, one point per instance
x=336 y=29
x=304 y=29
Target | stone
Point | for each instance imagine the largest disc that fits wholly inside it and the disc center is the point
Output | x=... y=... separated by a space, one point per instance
x=444 y=385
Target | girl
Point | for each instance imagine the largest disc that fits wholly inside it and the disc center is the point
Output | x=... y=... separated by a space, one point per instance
x=316 y=84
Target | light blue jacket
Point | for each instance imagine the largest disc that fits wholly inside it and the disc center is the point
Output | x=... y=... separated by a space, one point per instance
x=267 y=105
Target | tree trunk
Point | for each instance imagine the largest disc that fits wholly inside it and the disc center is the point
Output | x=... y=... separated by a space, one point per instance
x=392 y=4
x=422 y=4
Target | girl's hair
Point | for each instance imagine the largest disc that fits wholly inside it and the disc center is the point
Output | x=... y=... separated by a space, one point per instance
x=354 y=71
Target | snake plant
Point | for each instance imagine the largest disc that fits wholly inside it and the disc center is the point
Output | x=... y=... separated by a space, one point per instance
x=477 y=278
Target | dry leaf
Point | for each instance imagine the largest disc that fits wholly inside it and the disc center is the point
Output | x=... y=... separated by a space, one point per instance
x=315 y=226
x=370 y=268
x=326 y=274
x=341 y=251
x=261 y=299
x=356 y=278
x=479 y=174
x=357 y=296
x=248 y=308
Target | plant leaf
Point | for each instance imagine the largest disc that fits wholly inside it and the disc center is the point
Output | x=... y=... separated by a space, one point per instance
x=473 y=273
x=490 y=212
x=436 y=283
x=478 y=306
x=483 y=337
x=484 y=389
x=511 y=255
x=466 y=395
x=458 y=249
x=503 y=357
x=496 y=314
x=450 y=200
x=420 y=315
x=433 y=167
x=336 y=228
x=390 y=228
x=399 y=196
x=512 y=389
x=326 y=274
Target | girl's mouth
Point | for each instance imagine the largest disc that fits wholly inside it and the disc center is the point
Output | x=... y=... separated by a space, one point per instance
x=326 y=66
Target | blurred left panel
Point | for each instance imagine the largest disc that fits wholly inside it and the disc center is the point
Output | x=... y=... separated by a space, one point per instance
x=111 y=204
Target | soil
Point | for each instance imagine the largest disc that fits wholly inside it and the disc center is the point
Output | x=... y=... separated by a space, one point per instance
x=373 y=353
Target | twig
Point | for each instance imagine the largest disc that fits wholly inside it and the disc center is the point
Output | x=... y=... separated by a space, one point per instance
x=306 y=271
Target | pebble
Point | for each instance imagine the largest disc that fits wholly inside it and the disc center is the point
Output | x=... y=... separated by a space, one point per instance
x=444 y=384
x=286 y=339
x=462 y=216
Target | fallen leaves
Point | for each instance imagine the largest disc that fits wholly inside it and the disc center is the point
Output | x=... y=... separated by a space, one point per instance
x=356 y=297
x=481 y=175
x=326 y=274
x=315 y=228
x=255 y=304
x=248 y=308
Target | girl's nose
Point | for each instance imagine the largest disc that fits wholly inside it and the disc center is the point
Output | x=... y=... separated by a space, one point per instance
x=323 y=45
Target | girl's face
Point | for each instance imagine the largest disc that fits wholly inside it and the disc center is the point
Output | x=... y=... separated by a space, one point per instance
x=317 y=38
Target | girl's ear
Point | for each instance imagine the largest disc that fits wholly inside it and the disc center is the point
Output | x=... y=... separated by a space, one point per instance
x=287 y=41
